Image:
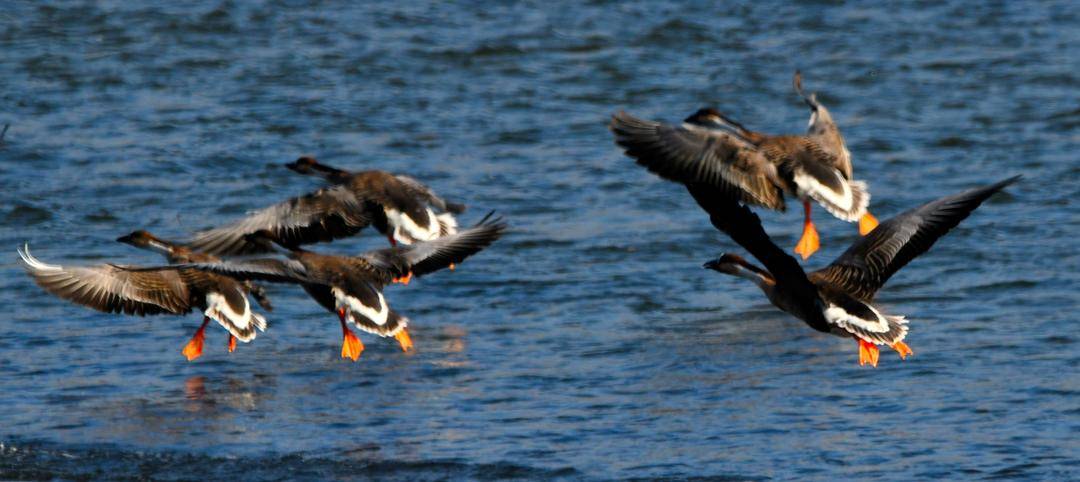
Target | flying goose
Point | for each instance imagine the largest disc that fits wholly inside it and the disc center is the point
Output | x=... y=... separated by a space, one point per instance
x=153 y=291
x=351 y=286
x=400 y=207
x=712 y=150
x=176 y=253
x=838 y=299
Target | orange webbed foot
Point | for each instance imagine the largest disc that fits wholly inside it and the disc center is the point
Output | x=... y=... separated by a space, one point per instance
x=193 y=348
x=867 y=223
x=404 y=340
x=404 y=279
x=902 y=349
x=868 y=353
x=232 y=343
x=452 y=266
x=351 y=346
x=809 y=243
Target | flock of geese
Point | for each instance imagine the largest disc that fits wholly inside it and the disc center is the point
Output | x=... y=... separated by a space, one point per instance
x=725 y=167
x=421 y=227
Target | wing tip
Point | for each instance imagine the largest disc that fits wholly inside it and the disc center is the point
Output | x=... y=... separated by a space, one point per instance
x=33 y=263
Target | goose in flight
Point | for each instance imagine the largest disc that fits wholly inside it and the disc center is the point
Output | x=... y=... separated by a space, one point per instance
x=709 y=149
x=157 y=290
x=400 y=207
x=352 y=286
x=839 y=298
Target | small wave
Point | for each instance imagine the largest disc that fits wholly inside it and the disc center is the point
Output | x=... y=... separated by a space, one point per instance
x=41 y=460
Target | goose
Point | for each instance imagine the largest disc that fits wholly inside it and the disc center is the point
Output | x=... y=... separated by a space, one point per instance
x=154 y=290
x=352 y=286
x=176 y=253
x=759 y=169
x=839 y=299
x=400 y=207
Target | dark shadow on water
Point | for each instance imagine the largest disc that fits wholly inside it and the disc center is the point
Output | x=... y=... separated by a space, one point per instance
x=40 y=460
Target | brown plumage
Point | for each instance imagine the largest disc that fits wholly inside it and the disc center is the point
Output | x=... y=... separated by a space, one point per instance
x=176 y=253
x=152 y=291
x=711 y=150
x=351 y=286
x=838 y=299
x=398 y=206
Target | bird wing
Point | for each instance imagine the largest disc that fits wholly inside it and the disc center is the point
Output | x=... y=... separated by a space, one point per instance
x=265 y=269
x=865 y=267
x=693 y=154
x=326 y=214
x=822 y=130
x=113 y=289
x=815 y=176
x=418 y=189
x=428 y=256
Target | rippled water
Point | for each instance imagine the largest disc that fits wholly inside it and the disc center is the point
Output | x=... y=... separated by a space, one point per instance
x=588 y=343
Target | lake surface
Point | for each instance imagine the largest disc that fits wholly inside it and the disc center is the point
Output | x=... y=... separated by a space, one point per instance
x=588 y=343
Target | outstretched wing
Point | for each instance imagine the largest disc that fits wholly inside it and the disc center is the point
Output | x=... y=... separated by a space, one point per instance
x=418 y=189
x=691 y=154
x=324 y=215
x=865 y=267
x=265 y=269
x=113 y=289
x=428 y=256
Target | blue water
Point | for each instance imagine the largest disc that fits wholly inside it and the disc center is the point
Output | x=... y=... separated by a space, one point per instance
x=588 y=343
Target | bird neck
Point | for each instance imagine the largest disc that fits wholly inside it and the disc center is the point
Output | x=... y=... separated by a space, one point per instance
x=160 y=246
x=329 y=173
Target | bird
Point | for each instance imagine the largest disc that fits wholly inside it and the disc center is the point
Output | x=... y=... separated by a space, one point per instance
x=352 y=286
x=839 y=299
x=400 y=207
x=178 y=253
x=710 y=149
x=154 y=290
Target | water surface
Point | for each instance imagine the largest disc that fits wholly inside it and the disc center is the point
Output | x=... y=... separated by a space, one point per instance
x=589 y=343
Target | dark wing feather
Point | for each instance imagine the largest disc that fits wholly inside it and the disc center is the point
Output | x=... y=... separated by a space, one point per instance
x=744 y=227
x=322 y=295
x=324 y=215
x=428 y=256
x=113 y=289
x=265 y=269
x=418 y=189
x=865 y=267
x=715 y=158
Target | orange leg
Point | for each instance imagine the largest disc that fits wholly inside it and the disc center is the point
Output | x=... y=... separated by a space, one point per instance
x=868 y=353
x=452 y=266
x=867 y=223
x=404 y=340
x=902 y=349
x=193 y=348
x=809 y=242
x=351 y=347
x=232 y=343
x=404 y=279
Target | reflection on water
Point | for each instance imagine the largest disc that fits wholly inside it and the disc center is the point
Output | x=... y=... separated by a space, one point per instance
x=234 y=394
